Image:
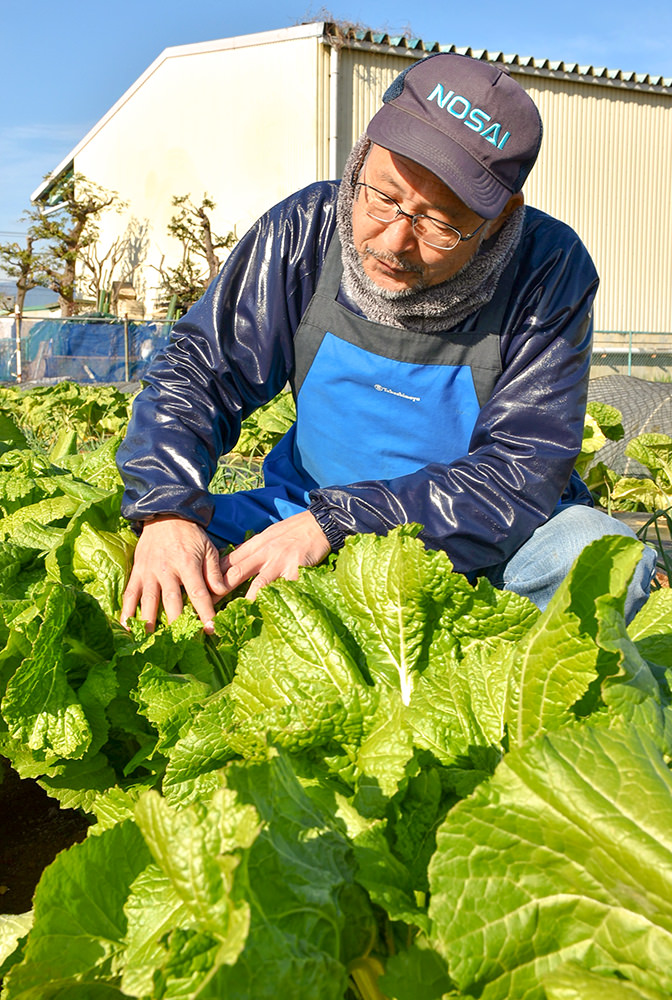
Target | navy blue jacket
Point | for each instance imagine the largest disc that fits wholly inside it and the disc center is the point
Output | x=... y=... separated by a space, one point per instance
x=234 y=351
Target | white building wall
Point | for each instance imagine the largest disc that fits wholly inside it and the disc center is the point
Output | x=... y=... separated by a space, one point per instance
x=237 y=122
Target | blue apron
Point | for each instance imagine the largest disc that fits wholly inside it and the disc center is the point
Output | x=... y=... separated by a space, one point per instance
x=373 y=402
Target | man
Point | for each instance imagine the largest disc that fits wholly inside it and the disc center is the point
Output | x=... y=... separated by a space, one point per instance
x=437 y=336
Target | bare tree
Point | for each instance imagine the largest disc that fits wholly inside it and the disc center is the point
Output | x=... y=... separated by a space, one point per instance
x=201 y=257
x=100 y=269
x=66 y=229
x=23 y=264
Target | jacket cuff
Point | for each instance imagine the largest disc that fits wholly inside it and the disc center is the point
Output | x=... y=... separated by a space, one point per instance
x=320 y=511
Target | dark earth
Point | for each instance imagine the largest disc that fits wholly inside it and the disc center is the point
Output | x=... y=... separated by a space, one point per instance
x=33 y=829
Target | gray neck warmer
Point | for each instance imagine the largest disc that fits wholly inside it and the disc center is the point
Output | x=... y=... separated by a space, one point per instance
x=429 y=310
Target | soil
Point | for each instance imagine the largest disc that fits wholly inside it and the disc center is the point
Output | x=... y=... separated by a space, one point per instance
x=33 y=829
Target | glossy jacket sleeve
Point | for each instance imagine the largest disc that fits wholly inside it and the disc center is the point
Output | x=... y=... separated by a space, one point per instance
x=483 y=506
x=230 y=353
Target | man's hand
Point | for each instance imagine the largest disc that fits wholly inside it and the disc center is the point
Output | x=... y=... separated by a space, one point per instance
x=278 y=551
x=172 y=553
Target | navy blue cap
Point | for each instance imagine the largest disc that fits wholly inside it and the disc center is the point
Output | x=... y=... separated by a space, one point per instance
x=465 y=120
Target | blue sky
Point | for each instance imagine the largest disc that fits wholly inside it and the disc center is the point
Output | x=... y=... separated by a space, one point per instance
x=65 y=64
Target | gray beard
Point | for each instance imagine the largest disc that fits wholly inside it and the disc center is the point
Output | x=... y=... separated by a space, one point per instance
x=424 y=309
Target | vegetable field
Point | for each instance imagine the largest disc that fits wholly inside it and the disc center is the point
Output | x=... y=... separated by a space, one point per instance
x=376 y=782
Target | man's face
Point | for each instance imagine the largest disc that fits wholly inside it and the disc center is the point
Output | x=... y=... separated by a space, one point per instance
x=391 y=254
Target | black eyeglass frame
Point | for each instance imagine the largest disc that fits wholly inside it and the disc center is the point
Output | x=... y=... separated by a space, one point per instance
x=413 y=218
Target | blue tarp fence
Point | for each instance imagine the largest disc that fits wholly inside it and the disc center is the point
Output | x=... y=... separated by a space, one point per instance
x=92 y=349
x=83 y=349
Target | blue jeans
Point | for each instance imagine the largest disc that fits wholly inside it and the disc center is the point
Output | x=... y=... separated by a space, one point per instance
x=540 y=565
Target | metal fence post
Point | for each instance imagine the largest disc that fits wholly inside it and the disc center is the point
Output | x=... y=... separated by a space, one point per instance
x=629 y=352
x=127 y=366
x=17 y=322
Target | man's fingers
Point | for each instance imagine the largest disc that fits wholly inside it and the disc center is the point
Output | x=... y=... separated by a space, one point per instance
x=130 y=601
x=149 y=607
x=212 y=572
x=172 y=554
x=200 y=597
x=276 y=552
x=268 y=575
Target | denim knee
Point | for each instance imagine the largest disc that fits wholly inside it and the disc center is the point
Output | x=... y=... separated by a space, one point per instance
x=540 y=565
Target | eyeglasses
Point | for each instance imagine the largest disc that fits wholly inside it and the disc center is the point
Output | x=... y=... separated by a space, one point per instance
x=429 y=230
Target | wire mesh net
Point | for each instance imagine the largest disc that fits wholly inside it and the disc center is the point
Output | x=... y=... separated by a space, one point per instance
x=646 y=408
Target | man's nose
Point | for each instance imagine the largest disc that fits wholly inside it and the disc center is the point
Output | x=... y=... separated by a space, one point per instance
x=399 y=235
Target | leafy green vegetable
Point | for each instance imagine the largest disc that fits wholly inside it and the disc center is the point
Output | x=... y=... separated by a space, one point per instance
x=565 y=855
x=378 y=781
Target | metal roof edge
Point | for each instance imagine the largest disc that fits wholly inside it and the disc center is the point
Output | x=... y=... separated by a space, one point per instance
x=418 y=48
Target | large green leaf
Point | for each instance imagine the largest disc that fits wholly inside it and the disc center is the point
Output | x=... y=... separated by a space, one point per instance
x=460 y=703
x=565 y=855
x=198 y=849
x=262 y=878
x=80 y=927
x=395 y=590
x=655 y=452
x=570 y=982
x=301 y=653
x=560 y=656
x=40 y=707
x=651 y=629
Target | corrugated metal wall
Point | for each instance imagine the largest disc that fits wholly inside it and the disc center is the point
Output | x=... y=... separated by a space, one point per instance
x=365 y=76
x=605 y=168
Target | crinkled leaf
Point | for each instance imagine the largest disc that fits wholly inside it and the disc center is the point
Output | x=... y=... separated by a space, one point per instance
x=396 y=590
x=483 y=614
x=290 y=863
x=570 y=982
x=23 y=527
x=414 y=818
x=169 y=701
x=235 y=624
x=651 y=629
x=199 y=849
x=384 y=876
x=101 y=561
x=296 y=727
x=558 y=658
x=21 y=567
x=77 y=784
x=655 y=452
x=300 y=653
x=153 y=910
x=460 y=704
x=609 y=418
x=384 y=756
x=40 y=707
x=645 y=492
x=195 y=759
x=80 y=925
x=565 y=855
x=299 y=865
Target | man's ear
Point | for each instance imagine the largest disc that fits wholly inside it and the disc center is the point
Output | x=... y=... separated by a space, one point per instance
x=514 y=202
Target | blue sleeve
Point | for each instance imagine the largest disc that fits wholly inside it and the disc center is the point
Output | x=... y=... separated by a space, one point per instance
x=230 y=353
x=483 y=506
